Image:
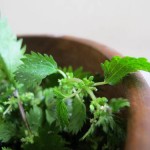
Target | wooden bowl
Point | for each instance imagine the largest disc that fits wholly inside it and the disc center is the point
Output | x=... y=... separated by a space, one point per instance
x=79 y=52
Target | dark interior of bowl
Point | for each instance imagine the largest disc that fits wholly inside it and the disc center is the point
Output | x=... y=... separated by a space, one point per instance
x=67 y=52
x=77 y=52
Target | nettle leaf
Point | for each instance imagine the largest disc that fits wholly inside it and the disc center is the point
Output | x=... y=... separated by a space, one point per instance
x=78 y=73
x=34 y=117
x=7 y=131
x=78 y=116
x=6 y=148
x=106 y=121
x=2 y=75
x=49 y=97
x=117 y=104
x=50 y=116
x=62 y=113
x=50 y=102
x=35 y=68
x=11 y=50
x=116 y=137
x=47 y=141
x=117 y=68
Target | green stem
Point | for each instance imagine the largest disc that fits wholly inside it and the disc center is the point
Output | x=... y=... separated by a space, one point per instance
x=62 y=73
x=74 y=94
x=74 y=80
x=7 y=110
x=100 y=83
x=90 y=92
x=77 y=95
x=77 y=80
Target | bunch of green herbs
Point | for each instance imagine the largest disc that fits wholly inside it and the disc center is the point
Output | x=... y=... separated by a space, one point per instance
x=45 y=107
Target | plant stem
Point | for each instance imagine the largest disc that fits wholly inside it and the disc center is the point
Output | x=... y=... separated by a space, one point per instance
x=62 y=73
x=7 y=110
x=100 y=83
x=90 y=92
x=74 y=80
x=23 y=115
x=22 y=112
x=74 y=94
x=77 y=95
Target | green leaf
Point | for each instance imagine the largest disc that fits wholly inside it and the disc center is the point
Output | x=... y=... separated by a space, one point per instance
x=116 y=137
x=117 y=68
x=78 y=73
x=6 y=148
x=50 y=116
x=89 y=132
x=11 y=50
x=117 y=103
x=50 y=101
x=47 y=142
x=34 y=118
x=49 y=97
x=106 y=121
x=59 y=94
x=7 y=131
x=35 y=68
x=62 y=113
x=2 y=75
x=78 y=116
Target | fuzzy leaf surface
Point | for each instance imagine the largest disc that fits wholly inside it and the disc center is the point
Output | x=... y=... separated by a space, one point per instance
x=117 y=68
x=35 y=68
x=50 y=116
x=7 y=131
x=11 y=50
x=78 y=73
x=47 y=141
x=6 y=148
x=118 y=103
x=78 y=116
x=62 y=113
x=50 y=102
x=34 y=117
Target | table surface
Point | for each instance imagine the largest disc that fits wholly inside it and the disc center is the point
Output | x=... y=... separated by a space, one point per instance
x=122 y=25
